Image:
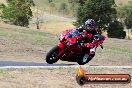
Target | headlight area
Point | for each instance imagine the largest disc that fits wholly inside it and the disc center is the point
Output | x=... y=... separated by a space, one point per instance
x=61 y=37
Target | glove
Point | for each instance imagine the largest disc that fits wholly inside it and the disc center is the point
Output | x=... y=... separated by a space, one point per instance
x=82 y=44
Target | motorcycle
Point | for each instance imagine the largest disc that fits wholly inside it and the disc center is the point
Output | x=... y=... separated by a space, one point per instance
x=70 y=48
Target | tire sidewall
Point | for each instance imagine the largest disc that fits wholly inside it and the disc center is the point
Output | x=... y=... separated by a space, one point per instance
x=80 y=60
x=48 y=56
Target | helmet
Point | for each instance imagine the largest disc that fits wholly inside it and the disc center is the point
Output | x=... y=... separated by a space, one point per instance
x=90 y=22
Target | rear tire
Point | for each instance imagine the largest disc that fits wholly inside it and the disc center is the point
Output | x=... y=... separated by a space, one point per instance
x=81 y=61
x=51 y=56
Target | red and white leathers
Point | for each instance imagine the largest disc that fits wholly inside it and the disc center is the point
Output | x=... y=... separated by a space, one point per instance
x=91 y=38
x=92 y=41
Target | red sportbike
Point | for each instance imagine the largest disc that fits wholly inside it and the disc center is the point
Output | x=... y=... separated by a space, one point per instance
x=70 y=48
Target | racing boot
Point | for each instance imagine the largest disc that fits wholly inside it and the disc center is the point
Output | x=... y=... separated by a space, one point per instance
x=92 y=51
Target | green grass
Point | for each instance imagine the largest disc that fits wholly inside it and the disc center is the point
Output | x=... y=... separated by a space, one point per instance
x=118 y=51
x=36 y=37
x=3 y=72
x=45 y=6
x=33 y=37
x=45 y=3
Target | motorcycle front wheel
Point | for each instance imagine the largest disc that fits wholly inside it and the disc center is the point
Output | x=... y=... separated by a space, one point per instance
x=51 y=56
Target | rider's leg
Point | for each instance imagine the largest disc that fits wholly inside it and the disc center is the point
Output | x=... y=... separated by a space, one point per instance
x=92 y=47
x=91 y=53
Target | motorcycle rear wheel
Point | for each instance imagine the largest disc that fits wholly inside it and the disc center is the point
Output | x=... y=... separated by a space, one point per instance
x=51 y=56
x=82 y=62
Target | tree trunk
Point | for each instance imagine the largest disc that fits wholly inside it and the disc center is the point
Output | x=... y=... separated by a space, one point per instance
x=129 y=34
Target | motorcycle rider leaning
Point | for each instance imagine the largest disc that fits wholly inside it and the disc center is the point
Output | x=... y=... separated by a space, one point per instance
x=86 y=30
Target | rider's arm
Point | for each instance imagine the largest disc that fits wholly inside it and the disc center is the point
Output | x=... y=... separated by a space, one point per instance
x=81 y=28
x=93 y=32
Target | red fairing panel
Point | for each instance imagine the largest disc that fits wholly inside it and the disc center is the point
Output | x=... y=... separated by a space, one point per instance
x=61 y=45
x=71 y=40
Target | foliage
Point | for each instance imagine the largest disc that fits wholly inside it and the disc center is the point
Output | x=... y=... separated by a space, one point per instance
x=2 y=6
x=50 y=1
x=102 y=11
x=73 y=4
x=125 y=13
x=63 y=8
x=52 y=7
x=128 y=15
x=18 y=12
x=81 y=2
x=115 y=30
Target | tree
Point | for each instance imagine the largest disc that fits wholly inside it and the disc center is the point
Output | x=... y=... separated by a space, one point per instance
x=63 y=8
x=120 y=13
x=81 y=2
x=18 y=12
x=102 y=11
x=115 y=30
x=52 y=7
x=72 y=6
x=125 y=15
x=50 y=1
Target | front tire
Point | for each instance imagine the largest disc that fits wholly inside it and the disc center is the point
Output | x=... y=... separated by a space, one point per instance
x=51 y=56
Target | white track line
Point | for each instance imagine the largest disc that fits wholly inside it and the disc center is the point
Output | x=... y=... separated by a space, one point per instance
x=74 y=66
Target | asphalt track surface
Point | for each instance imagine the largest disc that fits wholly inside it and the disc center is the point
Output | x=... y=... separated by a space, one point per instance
x=15 y=64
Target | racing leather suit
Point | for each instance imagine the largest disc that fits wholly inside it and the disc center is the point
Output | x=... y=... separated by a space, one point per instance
x=91 y=36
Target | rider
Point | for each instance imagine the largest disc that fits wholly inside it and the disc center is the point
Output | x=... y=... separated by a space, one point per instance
x=90 y=33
